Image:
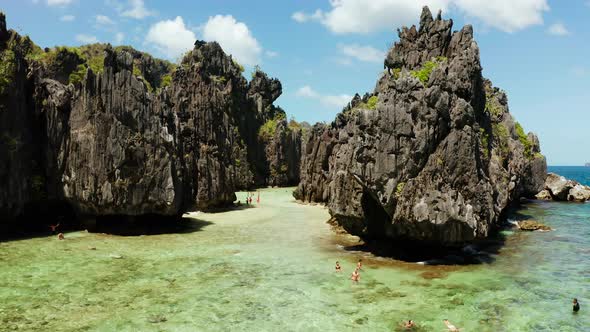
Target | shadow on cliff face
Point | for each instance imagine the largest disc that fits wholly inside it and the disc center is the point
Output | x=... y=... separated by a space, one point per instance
x=146 y=225
x=479 y=252
x=37 y=219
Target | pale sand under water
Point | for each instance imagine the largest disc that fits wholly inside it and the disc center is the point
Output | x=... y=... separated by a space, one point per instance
x=271 y=268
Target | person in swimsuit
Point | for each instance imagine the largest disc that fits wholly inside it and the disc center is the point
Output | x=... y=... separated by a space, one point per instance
x=359 y=265
x=356 y=276
x=53 y=228
x=576 y=305
x=338 y=267
x=409 y=324
x=450 y=326
x=60 y=236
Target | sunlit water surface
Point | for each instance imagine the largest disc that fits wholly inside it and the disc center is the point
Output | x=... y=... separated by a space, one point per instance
x=271 y=268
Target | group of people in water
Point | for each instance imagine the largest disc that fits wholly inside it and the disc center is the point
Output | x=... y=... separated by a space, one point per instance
x=410 y=324
x=356 y=275
x=250 y=198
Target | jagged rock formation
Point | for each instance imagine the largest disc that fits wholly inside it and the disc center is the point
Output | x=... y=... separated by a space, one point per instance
x=559 y=188
x=115 y=132
x=432 y=155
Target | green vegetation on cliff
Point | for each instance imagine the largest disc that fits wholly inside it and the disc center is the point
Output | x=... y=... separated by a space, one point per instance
x=523 y=138
x=423 y=74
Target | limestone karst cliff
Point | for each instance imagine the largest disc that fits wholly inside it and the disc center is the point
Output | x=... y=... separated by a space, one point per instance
x=432 y=155
x=115 y=132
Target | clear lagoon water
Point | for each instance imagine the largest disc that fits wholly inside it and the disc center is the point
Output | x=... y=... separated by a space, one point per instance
x=271 y=268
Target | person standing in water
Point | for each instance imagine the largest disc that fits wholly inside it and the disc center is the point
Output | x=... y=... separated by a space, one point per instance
x=258 y=199
x=355 y=276
x=576 y=305
x=409 y=324
x=338 y=267
x=359 y=265
x=53 y=228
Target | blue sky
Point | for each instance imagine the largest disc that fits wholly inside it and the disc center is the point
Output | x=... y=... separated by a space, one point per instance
x=325 y=51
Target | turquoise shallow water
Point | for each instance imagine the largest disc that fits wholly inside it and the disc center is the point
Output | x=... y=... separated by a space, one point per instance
x=271 y=268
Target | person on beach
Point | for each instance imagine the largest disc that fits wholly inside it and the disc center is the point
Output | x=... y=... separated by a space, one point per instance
x=53 y=228
x=60 y=236
x=359 y=265
x=338 y=267
x=409 y=324
x=450 y=326
x=576 y=305
x=355 y=276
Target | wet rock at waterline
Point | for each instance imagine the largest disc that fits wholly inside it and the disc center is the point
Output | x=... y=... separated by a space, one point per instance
x=559 y=188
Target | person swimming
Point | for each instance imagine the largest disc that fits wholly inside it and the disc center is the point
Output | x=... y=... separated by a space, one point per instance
x=409 y=324
x=355 y=276
x=450 y=326
x=338 y=267
x=576 y=305
x=60 y=236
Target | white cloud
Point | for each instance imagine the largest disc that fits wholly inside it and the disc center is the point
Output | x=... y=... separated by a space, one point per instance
x=171 y=37
x=366 y=16
x=505 y=15
x=119 y=36
x=86 y=39
x=271 y=54
x=301 y=17
x=326 y=100
x=59 y=2
x=558 y=29
x=67 y=18
x=137 y=10
x=103 y=20
x=362 y=53
x=234 y=37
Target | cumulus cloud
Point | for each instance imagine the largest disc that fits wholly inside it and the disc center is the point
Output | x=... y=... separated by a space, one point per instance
x=366 y=16
x=67 y=18
x=326 y=100
x=59 y=2
x=136 y=9
x=558 y=29
x=234 y=37
x=171 y=37
x=505 y=15
x=362 y=53
x=86 y=39
x=103 y=20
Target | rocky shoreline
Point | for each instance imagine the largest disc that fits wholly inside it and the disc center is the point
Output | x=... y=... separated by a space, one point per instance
x=558 y=188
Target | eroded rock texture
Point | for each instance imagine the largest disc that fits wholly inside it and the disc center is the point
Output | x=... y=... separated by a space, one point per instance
x=432 y=155
x=115 y=132
x=559 y=188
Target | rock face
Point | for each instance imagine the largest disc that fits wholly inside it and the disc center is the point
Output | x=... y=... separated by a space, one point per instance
x=114 y=132
x=432 y=155
x=532 y=225
x=559 y=188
